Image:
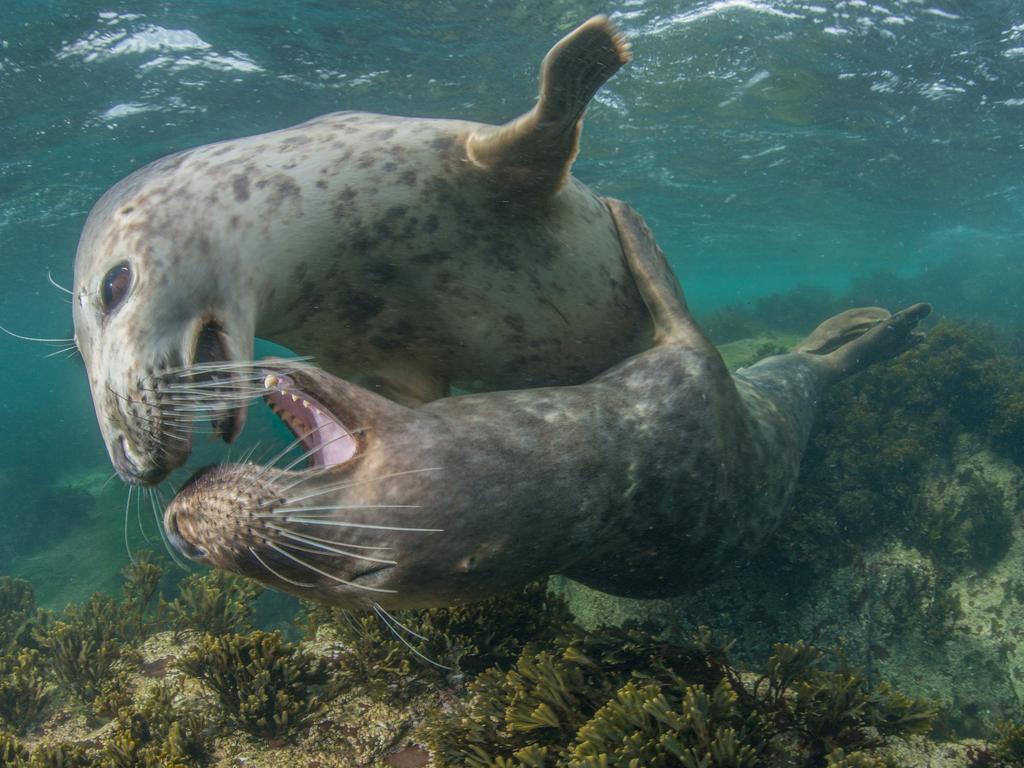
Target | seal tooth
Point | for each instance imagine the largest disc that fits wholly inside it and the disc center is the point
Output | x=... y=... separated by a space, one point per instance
x=271 y=381
x=307 y=404
x=295 y=398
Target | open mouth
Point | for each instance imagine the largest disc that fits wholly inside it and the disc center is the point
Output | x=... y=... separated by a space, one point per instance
x=326 y=440
x=211 y=374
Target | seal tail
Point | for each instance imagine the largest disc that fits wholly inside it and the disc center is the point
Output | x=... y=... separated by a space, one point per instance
x=535 y=151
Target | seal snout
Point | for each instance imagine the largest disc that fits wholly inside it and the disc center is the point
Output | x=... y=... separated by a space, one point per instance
x=129 y=469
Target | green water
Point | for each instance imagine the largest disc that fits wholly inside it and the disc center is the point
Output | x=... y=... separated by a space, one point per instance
x=769 y=144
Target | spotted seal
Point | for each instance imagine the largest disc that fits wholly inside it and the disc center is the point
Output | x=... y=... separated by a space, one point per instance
x=408 y=254
x=642 y=482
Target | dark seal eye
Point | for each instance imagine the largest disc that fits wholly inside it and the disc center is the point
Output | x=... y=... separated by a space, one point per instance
x=115 y=287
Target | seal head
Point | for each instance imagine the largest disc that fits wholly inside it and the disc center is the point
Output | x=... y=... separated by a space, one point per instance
x=145 y=325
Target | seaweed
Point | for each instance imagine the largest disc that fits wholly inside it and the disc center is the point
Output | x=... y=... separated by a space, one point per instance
x=267 y=686
x=141 y=581
x=159 y=733
x=644 y=725
x=84 y=647
x=625 y=697
x=61 y=756
x=23 y=691
x=217 y=602
x=19 y=617
x=13 y=753
x=449 y=643
x=91 y=648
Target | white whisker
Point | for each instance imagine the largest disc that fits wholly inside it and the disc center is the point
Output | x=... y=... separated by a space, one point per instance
x=65 y=351
x=70 y=339
x=315 y=450
x=127 y=506
x=257 y=366
x=55 y=284
x=138 y=518
x=282 y=577
x=349 y=483
x=387 y=618
x=324 y=545
x=157 y=501
x=325 y=574
x=344 y=524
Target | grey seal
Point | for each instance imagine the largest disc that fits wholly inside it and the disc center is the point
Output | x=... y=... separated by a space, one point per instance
x=409 y=254
x=648 y=480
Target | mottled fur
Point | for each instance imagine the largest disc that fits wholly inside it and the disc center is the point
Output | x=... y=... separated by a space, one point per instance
x=374 y=244
x=648 y=480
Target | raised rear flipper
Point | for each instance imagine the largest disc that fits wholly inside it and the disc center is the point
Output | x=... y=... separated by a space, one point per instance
x=533 y=153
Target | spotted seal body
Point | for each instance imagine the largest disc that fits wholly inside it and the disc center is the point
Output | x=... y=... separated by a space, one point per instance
x=408 y=254
x=645 y=481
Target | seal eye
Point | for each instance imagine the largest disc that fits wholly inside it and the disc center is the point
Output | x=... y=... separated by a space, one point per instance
x=115 y=287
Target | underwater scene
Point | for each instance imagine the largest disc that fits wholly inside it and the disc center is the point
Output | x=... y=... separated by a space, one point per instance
x=515 y=384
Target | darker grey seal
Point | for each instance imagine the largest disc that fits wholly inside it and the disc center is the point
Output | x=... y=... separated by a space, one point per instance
x=645 y=481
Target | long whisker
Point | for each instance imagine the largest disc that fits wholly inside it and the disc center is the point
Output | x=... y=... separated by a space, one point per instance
x=289 y=509
x=279 y=575
x=316 y=449
x=127 y=505
x=158 y=502
x=323 y=573
x=68 y=351
x=347 y=545
x=138 y=519
x=284 y=452
x=368 y=526
x=349 y=483
x=324 y=545
x=58 y=286
x=292 y=363
x=387 y=619
x=70 y=339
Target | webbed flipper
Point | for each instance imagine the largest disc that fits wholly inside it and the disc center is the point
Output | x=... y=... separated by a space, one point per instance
x=533 y=153
x=840 y=329
x=885 y=339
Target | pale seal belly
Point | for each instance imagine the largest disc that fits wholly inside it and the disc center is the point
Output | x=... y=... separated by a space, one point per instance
x=408 y=254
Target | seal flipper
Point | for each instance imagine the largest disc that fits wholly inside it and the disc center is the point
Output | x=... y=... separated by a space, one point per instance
x=657 y=283
x=840 y=329
x=886 y=338
x=534 y=152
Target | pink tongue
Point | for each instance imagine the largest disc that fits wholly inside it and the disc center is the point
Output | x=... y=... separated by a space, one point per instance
x=325 y=440
x=338 y=445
